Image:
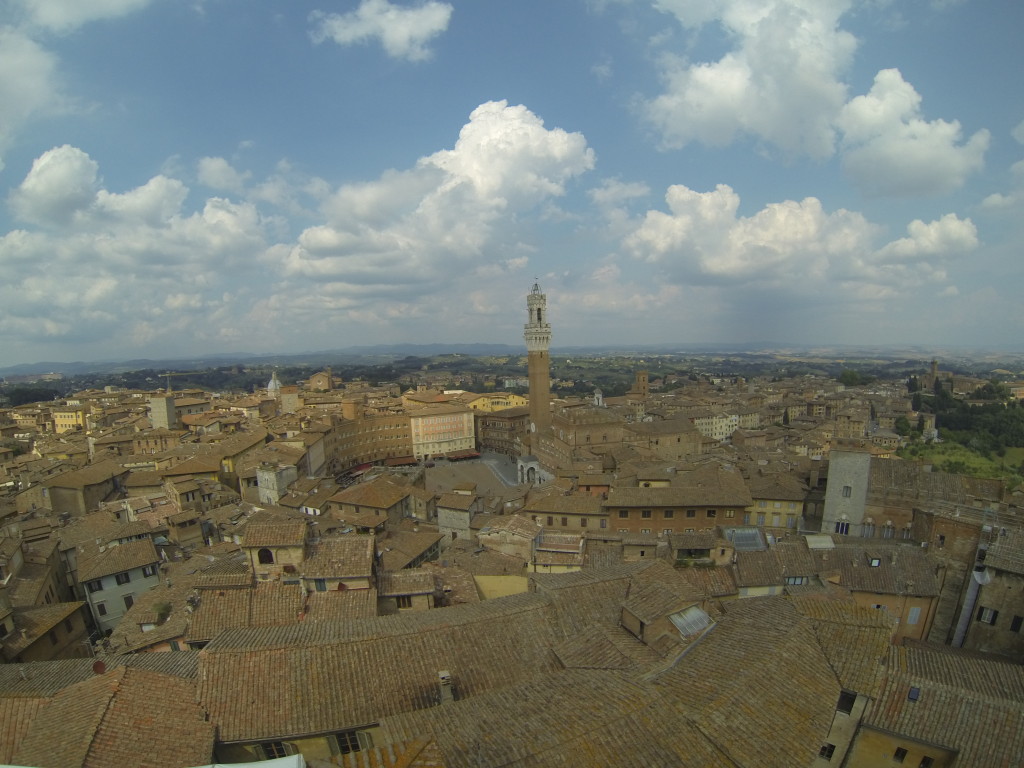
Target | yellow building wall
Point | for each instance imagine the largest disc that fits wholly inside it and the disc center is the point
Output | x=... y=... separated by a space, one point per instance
x=500 y=586
x=899 y=607
x=873 y=748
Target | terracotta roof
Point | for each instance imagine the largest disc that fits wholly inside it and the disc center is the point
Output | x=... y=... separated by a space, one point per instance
x=348 y=673
x=964 y=704
x=409 y=581
x=115 y=559
x=115 y=719
x=457 y=501
x=1007 y=552
x=577 y=504
x=341 y=605
x=604 y=718
x=275 y=534
x=344 y=556
x=730 y=685
x=379 y=493
x=16 y=715
x=400 y=548
x=886 y=569
x=32 y=623
x=265 y=605
x=93 y=474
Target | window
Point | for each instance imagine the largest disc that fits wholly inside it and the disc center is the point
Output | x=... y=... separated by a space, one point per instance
x=712 y=513
x=826 y=751
x=645 y=514
x=320 y=585
x=53 y=637
x=730 y=513
x=669 y=514
x=95 y=585
x=565 y=521
x=666 y=531
x=623 y=514
x=344 y=742
x=604 y=523
x=888 y=531
x=914 y=614
x=691 y=513
x=265 y=557
x=583 y=522
x=847 y=491
x=551 y=521
x=843 y=527
x=148 y=570
x=129 y=601
x=275 y=749
x=1015 y=624
x=791 y=521
x=846 y=702
x=122 y=578
x=762 y=503
x=101 y=609
x=645 y=530
x=942 y=541
x=987 y=616
x=926 y=762
x=760 y=518
x=746 y=518
x=67 y=626
x=899 y=755
x=796 y=580
x=867 y=530
x=404 y=601
x=914 y=693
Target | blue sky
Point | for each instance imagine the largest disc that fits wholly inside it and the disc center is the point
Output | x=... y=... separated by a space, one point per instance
x=181 y=178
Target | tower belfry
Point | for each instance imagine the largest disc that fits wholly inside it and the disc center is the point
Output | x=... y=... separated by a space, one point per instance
x=537 y=334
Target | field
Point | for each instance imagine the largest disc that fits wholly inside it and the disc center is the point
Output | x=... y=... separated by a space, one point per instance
x=953 y=457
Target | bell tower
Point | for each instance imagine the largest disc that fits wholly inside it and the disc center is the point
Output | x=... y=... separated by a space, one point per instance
x=537 y=334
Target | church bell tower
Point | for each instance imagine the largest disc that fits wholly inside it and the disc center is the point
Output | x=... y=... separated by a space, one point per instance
x=537 y=333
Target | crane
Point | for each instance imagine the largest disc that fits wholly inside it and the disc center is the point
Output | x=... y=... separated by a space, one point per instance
x=171 y=373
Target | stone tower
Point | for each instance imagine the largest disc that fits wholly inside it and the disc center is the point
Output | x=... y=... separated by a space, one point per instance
x=537 y=333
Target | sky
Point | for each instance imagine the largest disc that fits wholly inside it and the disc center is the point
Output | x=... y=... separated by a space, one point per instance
x=190 y=177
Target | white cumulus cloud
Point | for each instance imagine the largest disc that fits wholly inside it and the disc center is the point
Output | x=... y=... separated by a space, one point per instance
x=702 y=239
x=779 y=84
x=410 y=230
x=217 y=173
x=403 y=31
x=100 y=263
x=61 y=183
x=793 y=248
x=949 y=236
x=67 y=15
x=889 y=149
x=29 y=84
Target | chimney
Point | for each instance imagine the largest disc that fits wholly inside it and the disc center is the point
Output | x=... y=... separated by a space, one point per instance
x=444 y=678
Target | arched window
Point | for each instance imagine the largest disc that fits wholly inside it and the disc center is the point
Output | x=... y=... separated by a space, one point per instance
x=265 y=556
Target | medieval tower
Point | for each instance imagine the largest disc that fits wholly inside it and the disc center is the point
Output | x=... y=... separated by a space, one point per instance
x=537 y=333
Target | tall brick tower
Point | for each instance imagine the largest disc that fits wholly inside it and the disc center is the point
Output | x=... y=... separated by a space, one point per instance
x=537 y=333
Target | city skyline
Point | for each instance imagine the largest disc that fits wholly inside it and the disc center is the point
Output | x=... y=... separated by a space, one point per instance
x=189 y=179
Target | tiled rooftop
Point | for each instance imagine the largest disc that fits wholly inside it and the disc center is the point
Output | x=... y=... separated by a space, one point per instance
x=115 y=719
